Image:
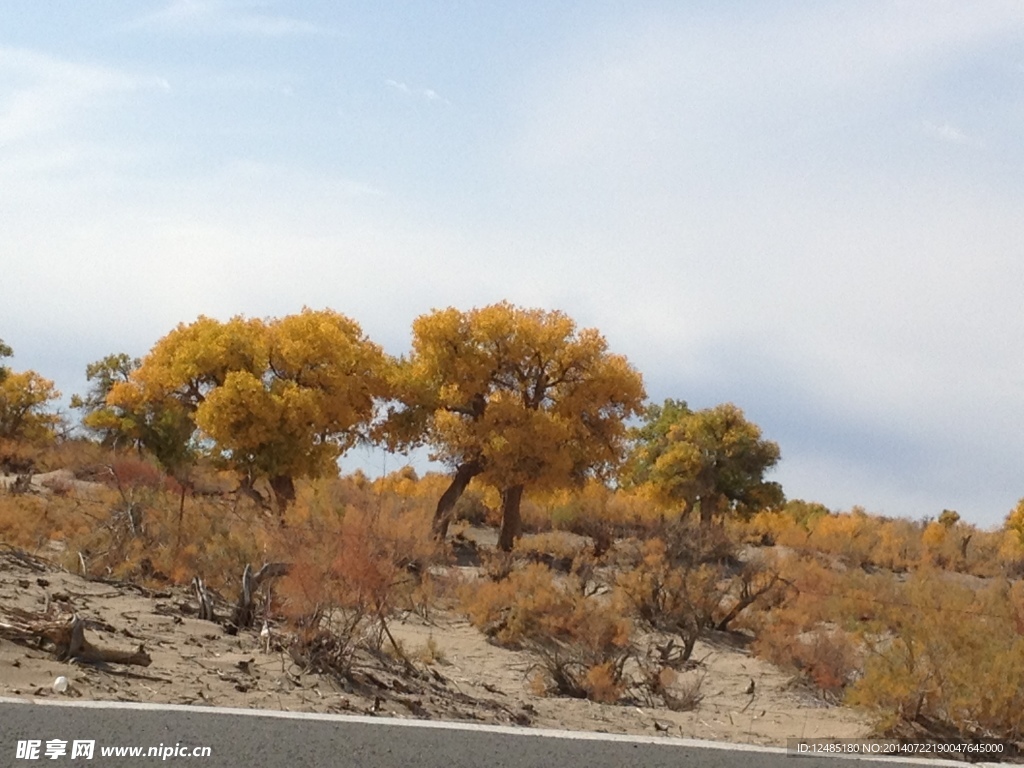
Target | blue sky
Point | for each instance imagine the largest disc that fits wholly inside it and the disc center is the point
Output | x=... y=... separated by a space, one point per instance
x=814 y=210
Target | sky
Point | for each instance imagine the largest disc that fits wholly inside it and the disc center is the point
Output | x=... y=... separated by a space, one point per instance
x=814 y=210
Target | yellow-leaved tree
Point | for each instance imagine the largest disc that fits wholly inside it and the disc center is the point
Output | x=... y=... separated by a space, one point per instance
x=5 y=351
x=273 y=399
x=112 y=426
x=517 y=397
x=25 y=400
x=25 y=415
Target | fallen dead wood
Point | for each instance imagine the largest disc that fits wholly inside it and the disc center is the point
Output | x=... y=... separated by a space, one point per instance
x=23 y=558
x=131 y=587
x=65 y=634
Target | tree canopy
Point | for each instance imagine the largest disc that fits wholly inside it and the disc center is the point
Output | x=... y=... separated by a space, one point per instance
x=274 y=399
x=5 y=351
x=111 y=425
x=711 y=460
x=25 y=399
x=518 y=397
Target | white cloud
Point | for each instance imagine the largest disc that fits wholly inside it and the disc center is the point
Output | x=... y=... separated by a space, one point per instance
x=947 y=133
x=42 y=93
x=219 y=17
x=732 y=189
x=425 y=93
x=719 y=77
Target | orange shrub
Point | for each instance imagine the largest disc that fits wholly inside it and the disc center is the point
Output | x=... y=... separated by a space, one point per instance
x=18 y=457
x=681 y=599
x=826 y=655
x=554 y=546
x=23 y=521
x=853 y=536
x=946 y=653
x=899 y=545
x=582 y=641
x=351 y=569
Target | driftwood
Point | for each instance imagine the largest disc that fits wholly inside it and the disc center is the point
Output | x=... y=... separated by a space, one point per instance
x=66 y=635
x=23 y=558
x=206 y=611
x=242 y=617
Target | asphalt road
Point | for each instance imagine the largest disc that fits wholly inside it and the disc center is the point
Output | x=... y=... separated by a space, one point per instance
x=254 y=740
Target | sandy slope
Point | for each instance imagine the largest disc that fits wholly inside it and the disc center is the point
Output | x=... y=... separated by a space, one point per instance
x=196 y=662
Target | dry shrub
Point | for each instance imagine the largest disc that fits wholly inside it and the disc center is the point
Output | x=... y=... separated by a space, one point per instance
x=962 y=547
x=556 y=549
x=767 y=528
x=131 y=473
x=473 y=509
x=214 y=539
x=1010 y=552
x=665 y=685
x=133 y=531
x=758 y=586
x=431 y=653
x=86 y=459
x=930 y=648
x=405 y=489
x=603 y=682
x=566 y=508
x=899 y=545
x=430 y=591
x=853 y=536
x=826 y=656
x=689 y=544
x=983 y=554
x=863 y=540
x=671 y=593
x=24 y=521
x=19 y=457
x=831 y=658
x=593 y=508
x=351 y=570
x=496 y=564
x=582 y=641
x=820 y=591
x=815 y=626
x=947 y=654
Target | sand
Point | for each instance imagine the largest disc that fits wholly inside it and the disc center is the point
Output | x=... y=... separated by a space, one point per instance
x=458 y=675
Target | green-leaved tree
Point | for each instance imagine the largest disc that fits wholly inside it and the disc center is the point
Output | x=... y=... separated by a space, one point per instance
x=712 y=461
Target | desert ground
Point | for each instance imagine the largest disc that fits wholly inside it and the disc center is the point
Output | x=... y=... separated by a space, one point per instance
x=452 y=671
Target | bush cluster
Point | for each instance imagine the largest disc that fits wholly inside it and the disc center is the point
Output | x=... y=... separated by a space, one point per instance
x=920 y=622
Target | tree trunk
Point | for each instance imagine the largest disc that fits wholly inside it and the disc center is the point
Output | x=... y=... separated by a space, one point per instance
x=511 y=520
x=181 y=515
x=242 y=616
x=443 y=514
x=247 y=487
x=964 y=542
x=710 y=504
x=284 y=492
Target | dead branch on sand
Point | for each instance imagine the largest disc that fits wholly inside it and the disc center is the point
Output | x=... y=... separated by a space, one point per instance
x=65 y=633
